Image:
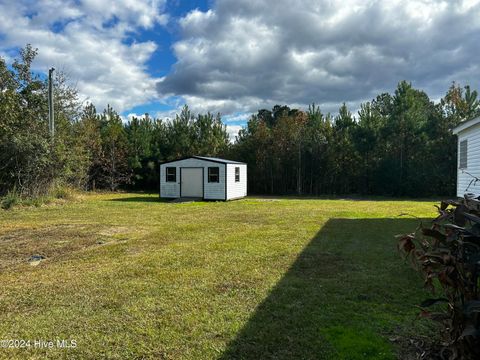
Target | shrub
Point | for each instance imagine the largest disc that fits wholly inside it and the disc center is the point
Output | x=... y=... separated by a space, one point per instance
x=447 y=253
x=13 y=197
x=10 y=200
x=37 y=201
x=62 y=192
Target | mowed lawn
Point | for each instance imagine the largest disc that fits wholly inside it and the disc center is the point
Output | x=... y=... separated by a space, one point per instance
x=130 y=277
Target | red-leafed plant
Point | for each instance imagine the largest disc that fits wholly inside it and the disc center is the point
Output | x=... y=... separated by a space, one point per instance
x=447 y=253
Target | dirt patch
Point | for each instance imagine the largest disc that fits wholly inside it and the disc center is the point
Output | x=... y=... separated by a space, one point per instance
x=18 y=246
x=21 y=245
x=115 y=230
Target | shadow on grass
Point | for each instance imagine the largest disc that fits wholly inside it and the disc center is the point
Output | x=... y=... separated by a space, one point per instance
x=343 y=197
x=145 y=199
x=326 y=305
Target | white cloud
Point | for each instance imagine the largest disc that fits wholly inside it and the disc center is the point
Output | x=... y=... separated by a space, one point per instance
x=243 y=55
x=236 y=117
x=232 y=131
x=167 y=115
x=92 y=40
x=130 y=116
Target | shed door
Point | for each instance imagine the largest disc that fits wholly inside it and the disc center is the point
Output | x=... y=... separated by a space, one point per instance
x=192 y=182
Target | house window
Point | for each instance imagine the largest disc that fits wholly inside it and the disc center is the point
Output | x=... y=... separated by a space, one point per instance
x=213 y=174
x=171 y=174
x=237 y=174
x=462 y=163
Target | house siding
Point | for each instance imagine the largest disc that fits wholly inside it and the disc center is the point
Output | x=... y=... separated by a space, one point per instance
x=211 y=191
x=472 y=135
x=236 y=190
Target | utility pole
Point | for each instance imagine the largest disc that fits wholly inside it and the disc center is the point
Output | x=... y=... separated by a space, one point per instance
x=51 y=117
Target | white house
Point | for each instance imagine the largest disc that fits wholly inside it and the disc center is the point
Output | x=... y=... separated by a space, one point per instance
x=468 y=158
x=203 y=177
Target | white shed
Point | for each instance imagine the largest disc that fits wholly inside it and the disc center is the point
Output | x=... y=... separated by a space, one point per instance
x=468 y=157
x=203 y=177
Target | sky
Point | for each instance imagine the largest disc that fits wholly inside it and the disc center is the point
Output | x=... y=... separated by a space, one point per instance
x=238 y=56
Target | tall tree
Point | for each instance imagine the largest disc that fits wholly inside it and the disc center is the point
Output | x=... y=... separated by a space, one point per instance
x=115 y=167
x=27 y=158
x=346 y=164
x=89 y=134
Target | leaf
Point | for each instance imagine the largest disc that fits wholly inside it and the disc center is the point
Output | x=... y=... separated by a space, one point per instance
x=445 y=279
x=434 y=257
x=473 y=203
x=430 y=302
x=459 y=215
x=472 y=217
x=434 y=233
x=445 y=203
x=454 y=227
x=443 y=215
x=428 y=284
x=406 y=244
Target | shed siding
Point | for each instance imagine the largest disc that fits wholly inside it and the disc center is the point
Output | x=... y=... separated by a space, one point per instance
x=213 y=191
x=472 y=135
x=236 y=190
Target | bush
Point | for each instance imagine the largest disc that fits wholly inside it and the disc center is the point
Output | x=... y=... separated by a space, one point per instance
x=447 y=253
x=10 y=200
x=57 y=192
x=36 y=201
x=62 y=192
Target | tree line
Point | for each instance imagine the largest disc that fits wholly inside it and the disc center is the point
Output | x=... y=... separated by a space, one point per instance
x=398 y=144
x=90 y=150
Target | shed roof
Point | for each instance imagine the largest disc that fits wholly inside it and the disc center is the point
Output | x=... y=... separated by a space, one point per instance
x=466 y=124
x=206 y=158
x=214 y=159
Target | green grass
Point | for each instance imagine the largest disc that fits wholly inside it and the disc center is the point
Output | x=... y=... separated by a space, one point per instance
x=129 y=276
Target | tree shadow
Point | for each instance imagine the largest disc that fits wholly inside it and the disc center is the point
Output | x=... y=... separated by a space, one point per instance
x=326 y=305
x=144 y=199
x=344 y=197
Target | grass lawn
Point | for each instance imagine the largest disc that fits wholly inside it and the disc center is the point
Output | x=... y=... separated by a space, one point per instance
x=130 y=277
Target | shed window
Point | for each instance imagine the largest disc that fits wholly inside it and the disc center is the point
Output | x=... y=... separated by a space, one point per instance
x=237 y=174
x=463 y=154
x=171 y=174
x=213 y=174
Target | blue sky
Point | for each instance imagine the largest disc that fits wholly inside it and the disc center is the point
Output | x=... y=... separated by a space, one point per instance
x=161 y=61
x=238 y=56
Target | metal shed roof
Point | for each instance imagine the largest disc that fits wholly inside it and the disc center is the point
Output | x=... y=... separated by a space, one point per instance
x=214 y=159
x=206 y=158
